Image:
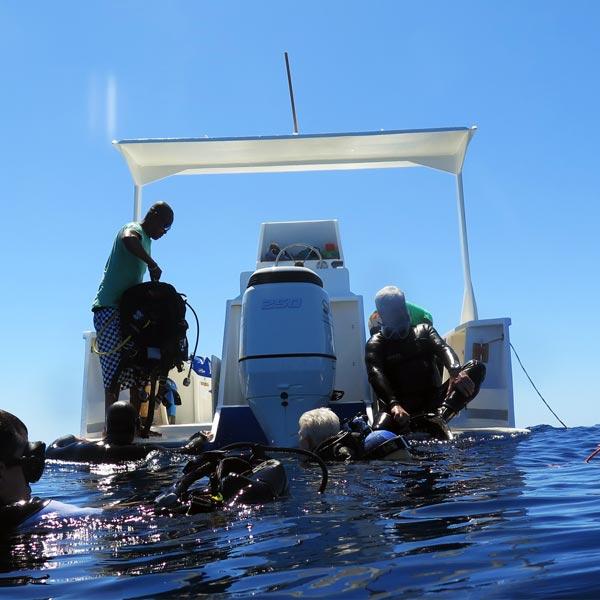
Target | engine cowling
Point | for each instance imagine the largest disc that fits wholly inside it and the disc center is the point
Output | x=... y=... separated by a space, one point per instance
x=286 y=353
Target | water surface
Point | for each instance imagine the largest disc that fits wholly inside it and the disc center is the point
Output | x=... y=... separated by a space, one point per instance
x=487 y=516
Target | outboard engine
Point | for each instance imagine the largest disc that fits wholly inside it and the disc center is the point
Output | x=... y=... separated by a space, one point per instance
x=286 y=359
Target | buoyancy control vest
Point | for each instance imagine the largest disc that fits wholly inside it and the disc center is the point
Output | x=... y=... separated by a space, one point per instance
x=152 y=314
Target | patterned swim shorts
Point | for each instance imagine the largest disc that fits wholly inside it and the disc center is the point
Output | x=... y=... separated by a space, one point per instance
x=108 y=332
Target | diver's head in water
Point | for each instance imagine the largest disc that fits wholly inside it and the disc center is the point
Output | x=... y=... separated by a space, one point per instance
x=121 y=419
x=316 y=426
x=21 y=462
x=391 y=306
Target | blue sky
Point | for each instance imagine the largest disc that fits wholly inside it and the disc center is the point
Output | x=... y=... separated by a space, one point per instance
x=76 y=75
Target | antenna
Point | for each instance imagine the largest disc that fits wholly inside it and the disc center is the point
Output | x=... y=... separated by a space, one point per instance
x=289 y=76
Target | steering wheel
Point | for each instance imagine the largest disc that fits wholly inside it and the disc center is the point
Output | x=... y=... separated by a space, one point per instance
x=321 y=264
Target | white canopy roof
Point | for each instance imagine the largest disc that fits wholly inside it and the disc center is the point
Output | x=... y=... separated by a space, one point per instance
x=153 y=159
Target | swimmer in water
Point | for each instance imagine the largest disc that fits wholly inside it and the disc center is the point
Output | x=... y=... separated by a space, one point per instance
x=320 y=431
x=233 y=477
x=21 y=463
x=117 y=444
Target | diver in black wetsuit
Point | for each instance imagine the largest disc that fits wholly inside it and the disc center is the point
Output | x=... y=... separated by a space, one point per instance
x=401 y=365
x=21 y=463
x=231 y=477
x=117 y=445
x=239 y=473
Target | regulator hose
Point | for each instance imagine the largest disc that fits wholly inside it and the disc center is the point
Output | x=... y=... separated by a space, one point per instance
x=186 y=381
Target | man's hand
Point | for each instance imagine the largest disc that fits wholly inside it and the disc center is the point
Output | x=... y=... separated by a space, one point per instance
x=400 y=416
x=463 y=384
x=155 y=272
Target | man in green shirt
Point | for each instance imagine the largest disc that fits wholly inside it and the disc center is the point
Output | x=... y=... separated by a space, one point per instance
x=125 y=267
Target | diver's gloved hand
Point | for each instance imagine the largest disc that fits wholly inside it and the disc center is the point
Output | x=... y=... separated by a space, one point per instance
x=401 y=417
x=463 y=384
x=397 y=420
x=432 y=424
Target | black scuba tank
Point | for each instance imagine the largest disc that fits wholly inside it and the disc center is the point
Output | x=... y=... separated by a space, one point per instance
x=265 y=482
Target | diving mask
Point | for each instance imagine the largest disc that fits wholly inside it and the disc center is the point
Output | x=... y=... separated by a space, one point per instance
x=32 y=461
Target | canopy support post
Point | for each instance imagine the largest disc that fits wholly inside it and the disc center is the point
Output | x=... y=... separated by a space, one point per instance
x=469 y=307
x=137 y=203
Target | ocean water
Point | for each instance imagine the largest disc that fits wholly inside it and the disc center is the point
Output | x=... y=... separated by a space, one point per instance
x=514 y=516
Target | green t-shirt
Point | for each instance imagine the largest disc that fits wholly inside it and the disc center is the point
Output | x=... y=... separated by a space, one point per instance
x=418 y=315
x=123 y=270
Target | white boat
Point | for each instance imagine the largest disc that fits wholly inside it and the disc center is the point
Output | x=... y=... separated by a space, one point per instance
x=217 y=403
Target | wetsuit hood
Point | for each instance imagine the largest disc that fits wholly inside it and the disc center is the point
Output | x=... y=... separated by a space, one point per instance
x=391 y=306
x=120 y=423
